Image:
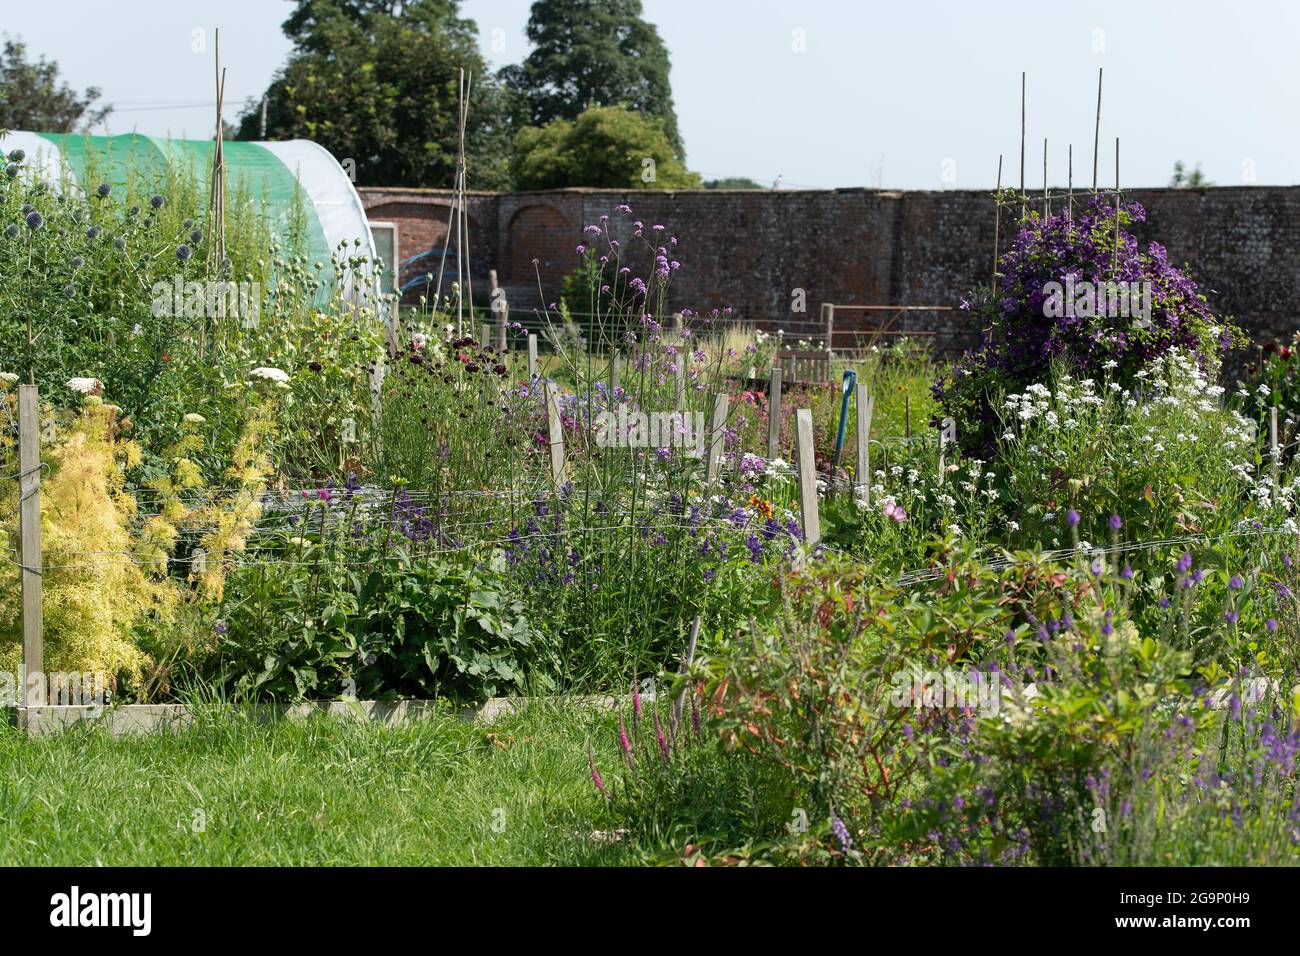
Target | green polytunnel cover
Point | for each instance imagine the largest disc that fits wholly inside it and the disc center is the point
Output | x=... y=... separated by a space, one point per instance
x=274 y=174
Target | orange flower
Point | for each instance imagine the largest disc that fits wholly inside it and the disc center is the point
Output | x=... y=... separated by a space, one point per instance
x=762 y=506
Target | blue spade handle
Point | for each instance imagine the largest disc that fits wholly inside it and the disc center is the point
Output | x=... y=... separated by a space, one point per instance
x=846 y=392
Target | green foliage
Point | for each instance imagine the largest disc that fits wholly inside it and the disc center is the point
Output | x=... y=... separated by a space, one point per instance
x=379 y=85
x=1182 y=179
x=1173 y=463
x=1078 y=289
x=329 y=621
x=93 y=601
x=32 y=98
x=590 y=53
x=450 y=420
x=732 y=182
x=606 y=146
x=678 y=797
x=83 y=284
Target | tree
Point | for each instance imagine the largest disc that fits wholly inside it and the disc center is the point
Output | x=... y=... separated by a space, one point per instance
x=1185 y=180
x=606 y=146
x=376 y=81
x=732 y=182
x=32 y=98
x=594 y=53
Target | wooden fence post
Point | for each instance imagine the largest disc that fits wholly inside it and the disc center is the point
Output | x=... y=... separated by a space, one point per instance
x=500 y=307
x=865 y=404
x=555 y=429
x=29 y=523
x=685 y=669
x=532 y=355
x=485 y=334
x=717 y=432
x=812 y=529
x=774 y=415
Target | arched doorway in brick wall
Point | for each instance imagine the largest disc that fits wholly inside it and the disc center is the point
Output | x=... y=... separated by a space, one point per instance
x=544 y=233
x=421 y=233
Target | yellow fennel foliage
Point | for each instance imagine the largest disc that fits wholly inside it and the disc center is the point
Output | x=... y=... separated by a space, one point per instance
x=231 y=520
x=94 y=588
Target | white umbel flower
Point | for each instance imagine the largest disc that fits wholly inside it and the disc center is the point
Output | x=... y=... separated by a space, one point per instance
x=86 y=386
x=277 y=375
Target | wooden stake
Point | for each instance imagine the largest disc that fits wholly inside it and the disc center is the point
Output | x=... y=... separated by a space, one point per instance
x=1023 y=196
x=686 y=668
x=812 y=531
x=717 y=432
x=680 y=384
x=446 y=247
x=1047 y=204
x=464 y=185
x=1114 y=256
x=532 y=355
x=997 y=227
x=613 y=373
x=1069 y=185
x=774 y=415
x=907 y=417
x=501 y=308
x=216 y=225
x=29 y=523
x=1096 y=134
x=555 y=429
x=865 y=406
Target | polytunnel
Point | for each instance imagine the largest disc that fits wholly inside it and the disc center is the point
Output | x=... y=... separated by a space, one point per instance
x=273 y=173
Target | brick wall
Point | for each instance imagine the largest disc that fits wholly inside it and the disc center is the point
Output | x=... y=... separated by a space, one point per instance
x=751 y=249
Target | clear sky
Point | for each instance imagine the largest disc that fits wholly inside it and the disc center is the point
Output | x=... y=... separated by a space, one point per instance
x=910 y=94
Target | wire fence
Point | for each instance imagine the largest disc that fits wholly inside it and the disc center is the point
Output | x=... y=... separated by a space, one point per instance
x=287 y=515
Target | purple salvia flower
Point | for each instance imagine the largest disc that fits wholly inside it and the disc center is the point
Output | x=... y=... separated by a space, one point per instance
x=841 y=833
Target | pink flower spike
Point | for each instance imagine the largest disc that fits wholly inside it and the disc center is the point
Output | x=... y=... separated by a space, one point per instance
x=622 y=736
x=659 y=734
x=595 y=774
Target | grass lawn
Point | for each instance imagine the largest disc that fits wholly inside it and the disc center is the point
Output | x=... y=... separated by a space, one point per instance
x=230 y=791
